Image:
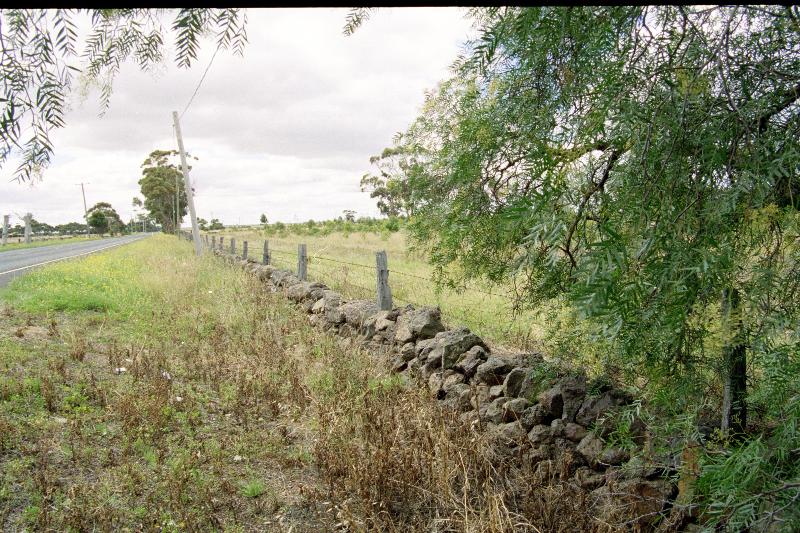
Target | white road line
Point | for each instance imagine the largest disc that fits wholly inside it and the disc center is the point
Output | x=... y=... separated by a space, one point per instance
x=68 y=257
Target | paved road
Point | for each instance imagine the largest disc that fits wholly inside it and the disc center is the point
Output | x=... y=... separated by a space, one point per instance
x=15 y=263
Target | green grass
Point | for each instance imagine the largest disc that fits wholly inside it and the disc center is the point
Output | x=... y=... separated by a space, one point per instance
x=37 y=243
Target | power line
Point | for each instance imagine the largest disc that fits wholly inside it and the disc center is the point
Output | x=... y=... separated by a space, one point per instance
x=200 y=82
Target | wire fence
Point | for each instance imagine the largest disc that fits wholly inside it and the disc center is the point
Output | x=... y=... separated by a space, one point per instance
x=486 y=309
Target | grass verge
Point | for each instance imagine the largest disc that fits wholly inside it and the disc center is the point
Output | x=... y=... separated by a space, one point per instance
x=145 y=389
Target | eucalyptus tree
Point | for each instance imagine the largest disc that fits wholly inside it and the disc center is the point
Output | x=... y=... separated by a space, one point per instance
x=163 y=189
x=42 y=55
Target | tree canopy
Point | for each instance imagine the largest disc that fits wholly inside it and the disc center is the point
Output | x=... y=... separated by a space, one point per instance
x=42 y=55
x=104 y=219
x=641 y=165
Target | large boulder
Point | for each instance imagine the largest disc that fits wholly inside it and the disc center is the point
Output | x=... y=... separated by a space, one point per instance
x=493 y=371
x=449 y=346
x=416 y=324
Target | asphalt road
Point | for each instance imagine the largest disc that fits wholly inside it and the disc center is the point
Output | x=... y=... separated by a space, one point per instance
x=15 y=263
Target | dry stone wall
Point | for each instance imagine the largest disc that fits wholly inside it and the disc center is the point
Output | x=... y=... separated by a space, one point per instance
x=549 y=424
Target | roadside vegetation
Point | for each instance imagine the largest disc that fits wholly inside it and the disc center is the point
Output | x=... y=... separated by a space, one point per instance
x=123 y=407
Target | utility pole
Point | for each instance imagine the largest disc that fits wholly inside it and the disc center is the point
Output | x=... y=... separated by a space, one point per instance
x=85 y=212
x=198 y=248
x=5 y=230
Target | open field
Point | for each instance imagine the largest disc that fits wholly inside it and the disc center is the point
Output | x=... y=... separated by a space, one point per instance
x=346 y=262
x=48 y=241
x=143 y=389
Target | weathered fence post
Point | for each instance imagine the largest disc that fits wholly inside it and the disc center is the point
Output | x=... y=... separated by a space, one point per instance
x=384 y=292
x=244 y=250
x=233 y=246
x=265 y=256
x=221 y=238
x=5 y=229
x=28 y=218
x=302 y=262
x=213 y=242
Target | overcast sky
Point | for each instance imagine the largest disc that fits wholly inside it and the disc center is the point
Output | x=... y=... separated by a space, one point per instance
x=286 y=130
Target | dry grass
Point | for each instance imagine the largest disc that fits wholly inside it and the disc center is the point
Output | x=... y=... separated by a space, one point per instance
x=231 y=414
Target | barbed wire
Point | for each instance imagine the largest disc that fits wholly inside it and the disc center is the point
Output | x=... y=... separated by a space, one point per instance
x=397 y=272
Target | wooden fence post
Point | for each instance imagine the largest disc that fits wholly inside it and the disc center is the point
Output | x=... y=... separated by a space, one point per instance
x=244 y=250
x=384 y=292
x=265 y=256
x=213 y=242
x=302 y=262
x=233 y=246
x=220 y=242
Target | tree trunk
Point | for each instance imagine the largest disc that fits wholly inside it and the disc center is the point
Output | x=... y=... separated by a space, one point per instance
x=734 y=398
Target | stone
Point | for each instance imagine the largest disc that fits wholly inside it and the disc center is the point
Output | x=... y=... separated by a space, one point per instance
x=450 y=345
x=435 y=382
x=494 y=410
x=469 y=364
x=540 y=434
x=592 y=408
x=573 y=392
x=557 y=427
x=318 y=307
x=357 y=311
x=513 y=382
x=574 y=432
x=304 y=290
x=421 y=323
x=407 y=351
x=513 y=410
x=493 y=371
x=587 y=478
x=509 y=434
x=481 y=395
x=457 y=397
x=452 y=378
x=590 y=447
x=264 y=272
x=495 y=392
x=331 y=302
x=469 y=418
x=398 y=363
x=552 y=402
x=565 y=398
x=533 y=416
x=288 y=281
x=423 y=348
x=614 y=456
x=536 y=454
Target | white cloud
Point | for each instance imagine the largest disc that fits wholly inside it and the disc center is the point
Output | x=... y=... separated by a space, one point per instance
x=287 y=129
